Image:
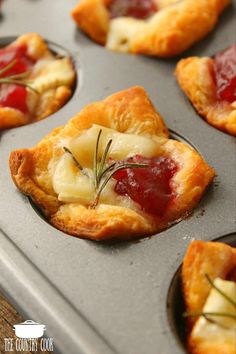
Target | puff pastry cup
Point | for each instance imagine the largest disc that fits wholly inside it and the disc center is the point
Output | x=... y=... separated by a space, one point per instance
x=172 y=27
x=218 y=261
x=49 y=175
x=50 y=76
x=197 y=78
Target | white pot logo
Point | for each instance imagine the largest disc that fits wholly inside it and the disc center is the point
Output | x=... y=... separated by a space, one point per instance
x=29 y=329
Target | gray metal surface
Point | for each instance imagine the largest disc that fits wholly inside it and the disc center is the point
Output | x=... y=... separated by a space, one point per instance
x=97 y=298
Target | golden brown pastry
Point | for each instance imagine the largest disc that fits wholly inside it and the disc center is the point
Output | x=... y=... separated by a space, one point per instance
x=216 y=262
x=162 y=28
x=210 y=84
x=61 y=177
x=34 y=82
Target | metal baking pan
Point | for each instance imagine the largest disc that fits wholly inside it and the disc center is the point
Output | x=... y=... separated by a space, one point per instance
x=97 y=298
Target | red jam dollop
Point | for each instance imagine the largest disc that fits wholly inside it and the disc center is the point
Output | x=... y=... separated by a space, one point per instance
x=225 y=74
x=14 y=96
x=140 y=9
x=150 y=186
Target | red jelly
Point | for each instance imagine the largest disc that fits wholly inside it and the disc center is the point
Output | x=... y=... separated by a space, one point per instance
x=225 y=74
x=140 y=9
x=149 y=187
x=14 y=96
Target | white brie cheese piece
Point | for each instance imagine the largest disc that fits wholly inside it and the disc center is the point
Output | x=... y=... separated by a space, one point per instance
x=121 y=31
x=50 y=74
x=70 y=184
x=123 y=145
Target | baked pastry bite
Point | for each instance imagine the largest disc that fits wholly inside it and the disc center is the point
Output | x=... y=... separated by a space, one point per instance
x=112 y=172
x=209 y=288
x=162 y=28
x=34 y=82
x=210 y=85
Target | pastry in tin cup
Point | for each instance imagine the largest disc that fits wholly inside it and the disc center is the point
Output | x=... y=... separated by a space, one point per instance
x=210 y=85
x=34 y=82
x=208 y=274
x=112 y=172
x=162 y=28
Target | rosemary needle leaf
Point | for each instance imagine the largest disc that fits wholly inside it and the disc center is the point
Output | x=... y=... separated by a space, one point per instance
x=108 y=169
x=19 y=83
x=23 y=75
x=118 y=168
x=112 y=172
x=206 y=314
x=7 y=67
x=103 y=161
x=95 y=162
x=15 y=79
x=75 y=160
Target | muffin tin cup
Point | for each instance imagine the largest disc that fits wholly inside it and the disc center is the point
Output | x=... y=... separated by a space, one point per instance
x=96 y=297
x=175 y=303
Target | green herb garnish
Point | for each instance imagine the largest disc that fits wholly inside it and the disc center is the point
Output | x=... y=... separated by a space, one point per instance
x=103 y=172
x=17 y=79
x=206 y=314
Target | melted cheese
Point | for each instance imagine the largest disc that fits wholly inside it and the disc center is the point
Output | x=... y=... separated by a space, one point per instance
x=121 y=31
x=223 y=327
x=123 y=145
x=72 y=185
x=52 y=73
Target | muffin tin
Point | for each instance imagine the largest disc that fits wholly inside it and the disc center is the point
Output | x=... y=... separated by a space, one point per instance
x=95 y=297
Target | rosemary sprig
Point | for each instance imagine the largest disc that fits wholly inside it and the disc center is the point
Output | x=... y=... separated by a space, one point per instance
x=103 y=173
x=76 y=161
x=95 y=160
x=113 y=170
x=17 y=79
x=206 y=314
x=215 y=314
x=7 y=67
